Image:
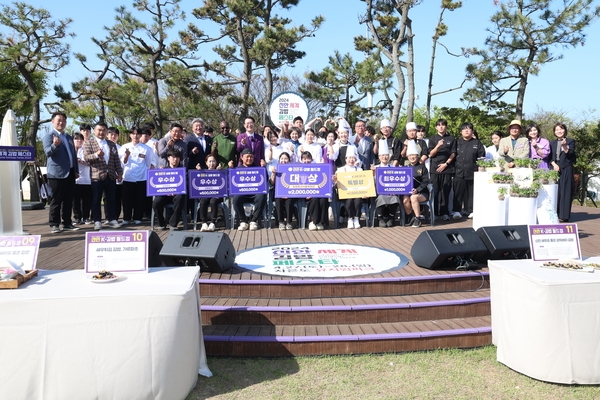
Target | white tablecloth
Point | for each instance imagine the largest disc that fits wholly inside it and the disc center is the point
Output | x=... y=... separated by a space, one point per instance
x=63 y=337
x=546 y=323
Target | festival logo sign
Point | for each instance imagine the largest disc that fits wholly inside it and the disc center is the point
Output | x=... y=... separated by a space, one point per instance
x=320 y=260
x=355 y=184
x=303 y=180
x=247 y=181
x=207 y=183
x=165 y=181
x=394 y=181
x=287 y=106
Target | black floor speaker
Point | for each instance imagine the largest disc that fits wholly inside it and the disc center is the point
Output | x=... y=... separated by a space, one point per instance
x=212 y=251
x=448 y=248
x=505 y=242
x=155 y=245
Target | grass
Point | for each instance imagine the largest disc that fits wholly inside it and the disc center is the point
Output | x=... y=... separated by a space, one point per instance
x=441 y=374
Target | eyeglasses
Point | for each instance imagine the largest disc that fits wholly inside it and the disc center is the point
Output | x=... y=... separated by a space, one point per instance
x=224 y=128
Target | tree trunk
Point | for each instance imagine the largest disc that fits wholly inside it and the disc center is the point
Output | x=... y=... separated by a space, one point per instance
x=410 y=72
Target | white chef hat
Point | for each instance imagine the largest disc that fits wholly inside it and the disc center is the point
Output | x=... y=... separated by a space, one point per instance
x=411 y=125
x=412 y=148
x=385 y=122
x=383 y=147
x=351 y=152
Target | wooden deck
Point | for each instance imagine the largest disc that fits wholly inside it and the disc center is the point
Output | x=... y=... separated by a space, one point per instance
x=250 y=314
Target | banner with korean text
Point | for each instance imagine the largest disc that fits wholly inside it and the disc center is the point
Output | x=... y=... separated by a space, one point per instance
x=355 y=184
x=207 y=183
x=394 y=181
x=303 y=180
x=165 y=181
x=247 y=181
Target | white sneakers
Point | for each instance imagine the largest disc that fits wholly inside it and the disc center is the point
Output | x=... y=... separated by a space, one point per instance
x=208 y=227
x=114 y=224
x=456 y=215
x=312 y=226
x=243 y=226
x=353 y=223
x=204 y=227
x=253 y=226
x=211 y=227
x=97 y=225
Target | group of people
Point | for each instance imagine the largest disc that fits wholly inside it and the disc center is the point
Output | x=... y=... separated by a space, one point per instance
x=88 y=169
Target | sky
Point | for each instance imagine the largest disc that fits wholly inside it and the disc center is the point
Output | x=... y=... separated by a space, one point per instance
x=568 y=86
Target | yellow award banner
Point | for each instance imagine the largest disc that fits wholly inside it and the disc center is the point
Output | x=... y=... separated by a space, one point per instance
x=354 y=184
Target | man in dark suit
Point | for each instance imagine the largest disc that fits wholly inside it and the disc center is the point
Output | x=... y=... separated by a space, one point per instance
x=62 y=170
x=198 y=145
x=105 y=171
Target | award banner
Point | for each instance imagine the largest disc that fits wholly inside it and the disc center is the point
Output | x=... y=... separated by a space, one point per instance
x=207 y=183
x=394 y=181
x=116 y=251
x=303 y=180
x=165 y=181
x=354 y=184
x=247 y=181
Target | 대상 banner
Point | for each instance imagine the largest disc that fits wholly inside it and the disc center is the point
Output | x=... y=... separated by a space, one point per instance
x=303 y=180
x=165 y=181
x=247 y=181
x=355 y=184
x=207 y=183
x=394 y=181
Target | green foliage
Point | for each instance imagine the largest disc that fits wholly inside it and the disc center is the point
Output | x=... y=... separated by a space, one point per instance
x=485 y=120
x=500 y=177
x=528 y=191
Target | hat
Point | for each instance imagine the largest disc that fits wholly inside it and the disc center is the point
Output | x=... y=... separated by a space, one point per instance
x=385 y=122
x=383 y=147
x=410 y=126
x=247 y=151
x=351 y=151
x=514 y=122
x=412 y=148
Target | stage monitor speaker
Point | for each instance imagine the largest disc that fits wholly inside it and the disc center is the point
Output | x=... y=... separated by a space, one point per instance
x=211 y=251
x=505 y=242
x=448 y=248
x=154 y=247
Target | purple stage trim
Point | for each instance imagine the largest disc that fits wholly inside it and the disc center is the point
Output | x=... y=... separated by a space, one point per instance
x=346 y=338
x=338 y=281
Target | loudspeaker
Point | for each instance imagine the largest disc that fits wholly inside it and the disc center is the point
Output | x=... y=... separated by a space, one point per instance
x=155 y=245
x=505 y=242
x=212 y=251
x=448 y=248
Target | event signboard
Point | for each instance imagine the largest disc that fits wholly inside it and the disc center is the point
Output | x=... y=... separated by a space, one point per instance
x=116 y=251
x=554 y=242
x=303 y=180
x=247 y=181
x=165 y=181
x=19 y=250
x=287 y=106
x=394 y=181
x=17 y=153
x=354 y=184
x=207 y=183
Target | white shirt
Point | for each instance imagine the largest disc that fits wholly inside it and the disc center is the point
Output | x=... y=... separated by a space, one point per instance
x=315 y=150
x=138 y=163
x=84 y=170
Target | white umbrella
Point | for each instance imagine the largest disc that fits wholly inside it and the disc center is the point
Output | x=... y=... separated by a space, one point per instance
x=11 y=219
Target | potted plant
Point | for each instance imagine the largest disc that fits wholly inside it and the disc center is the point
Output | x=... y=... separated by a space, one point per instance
x=528 y=191
x=545 y=177
x=502 y=178
x=501 y=163
x=502 y=191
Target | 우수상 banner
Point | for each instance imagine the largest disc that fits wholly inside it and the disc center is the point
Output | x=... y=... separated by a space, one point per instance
x=247 y=181
x=207 y=183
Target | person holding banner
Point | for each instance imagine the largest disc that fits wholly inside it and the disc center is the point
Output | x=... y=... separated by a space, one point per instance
x=420 y=191
x=259 y=200
x=283 y=205
x=179 y=201
x=211 y=163
x=317 y=206
x=386 y=205
x=353 y=206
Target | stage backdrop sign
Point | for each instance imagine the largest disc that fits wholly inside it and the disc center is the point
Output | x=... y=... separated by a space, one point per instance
x=320 y=260
x=554 y=242
x=116 y=251
x=207 y=183
x=17 y=153
x=287 y=106
x=303 y=180
x=165 y=181
x=394 y=181
x=354 y=184
x=247 y=181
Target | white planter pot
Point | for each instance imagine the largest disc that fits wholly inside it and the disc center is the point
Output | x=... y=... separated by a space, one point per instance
x=522 y=210
x=549 y=193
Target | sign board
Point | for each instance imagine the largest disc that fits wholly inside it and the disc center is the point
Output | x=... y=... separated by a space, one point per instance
x=394 y=181
x=165 y=181
x=17 y=153
x=355 y=184
x=287 y=106
x=116 y=251
x=207 y=183
x=554 y=242
x=19 y=250
x=247 y=181
x=303 y=180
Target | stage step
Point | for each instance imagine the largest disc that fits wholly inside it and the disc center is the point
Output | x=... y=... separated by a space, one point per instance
x=348 y=310
x=268 y=340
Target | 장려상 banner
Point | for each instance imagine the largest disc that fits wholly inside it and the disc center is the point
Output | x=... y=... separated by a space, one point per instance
x=207 y=183
x=303 y=180
x=394 y=181
x=247 y=181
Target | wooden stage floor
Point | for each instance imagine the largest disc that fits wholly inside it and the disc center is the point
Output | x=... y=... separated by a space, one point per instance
x=250 y=314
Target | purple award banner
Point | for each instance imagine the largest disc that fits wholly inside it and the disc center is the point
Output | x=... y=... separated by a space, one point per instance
x=165 y=181
x=303 y=180
x=17 y=153
x=394 y=180
x=207 y=183
x=247 y=181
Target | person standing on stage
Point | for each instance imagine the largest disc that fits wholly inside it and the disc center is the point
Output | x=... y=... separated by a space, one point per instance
x=563 y=159
x=442 y=152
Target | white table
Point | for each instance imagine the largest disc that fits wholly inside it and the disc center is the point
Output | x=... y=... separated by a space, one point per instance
x=63 y=337
x=546 y=323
